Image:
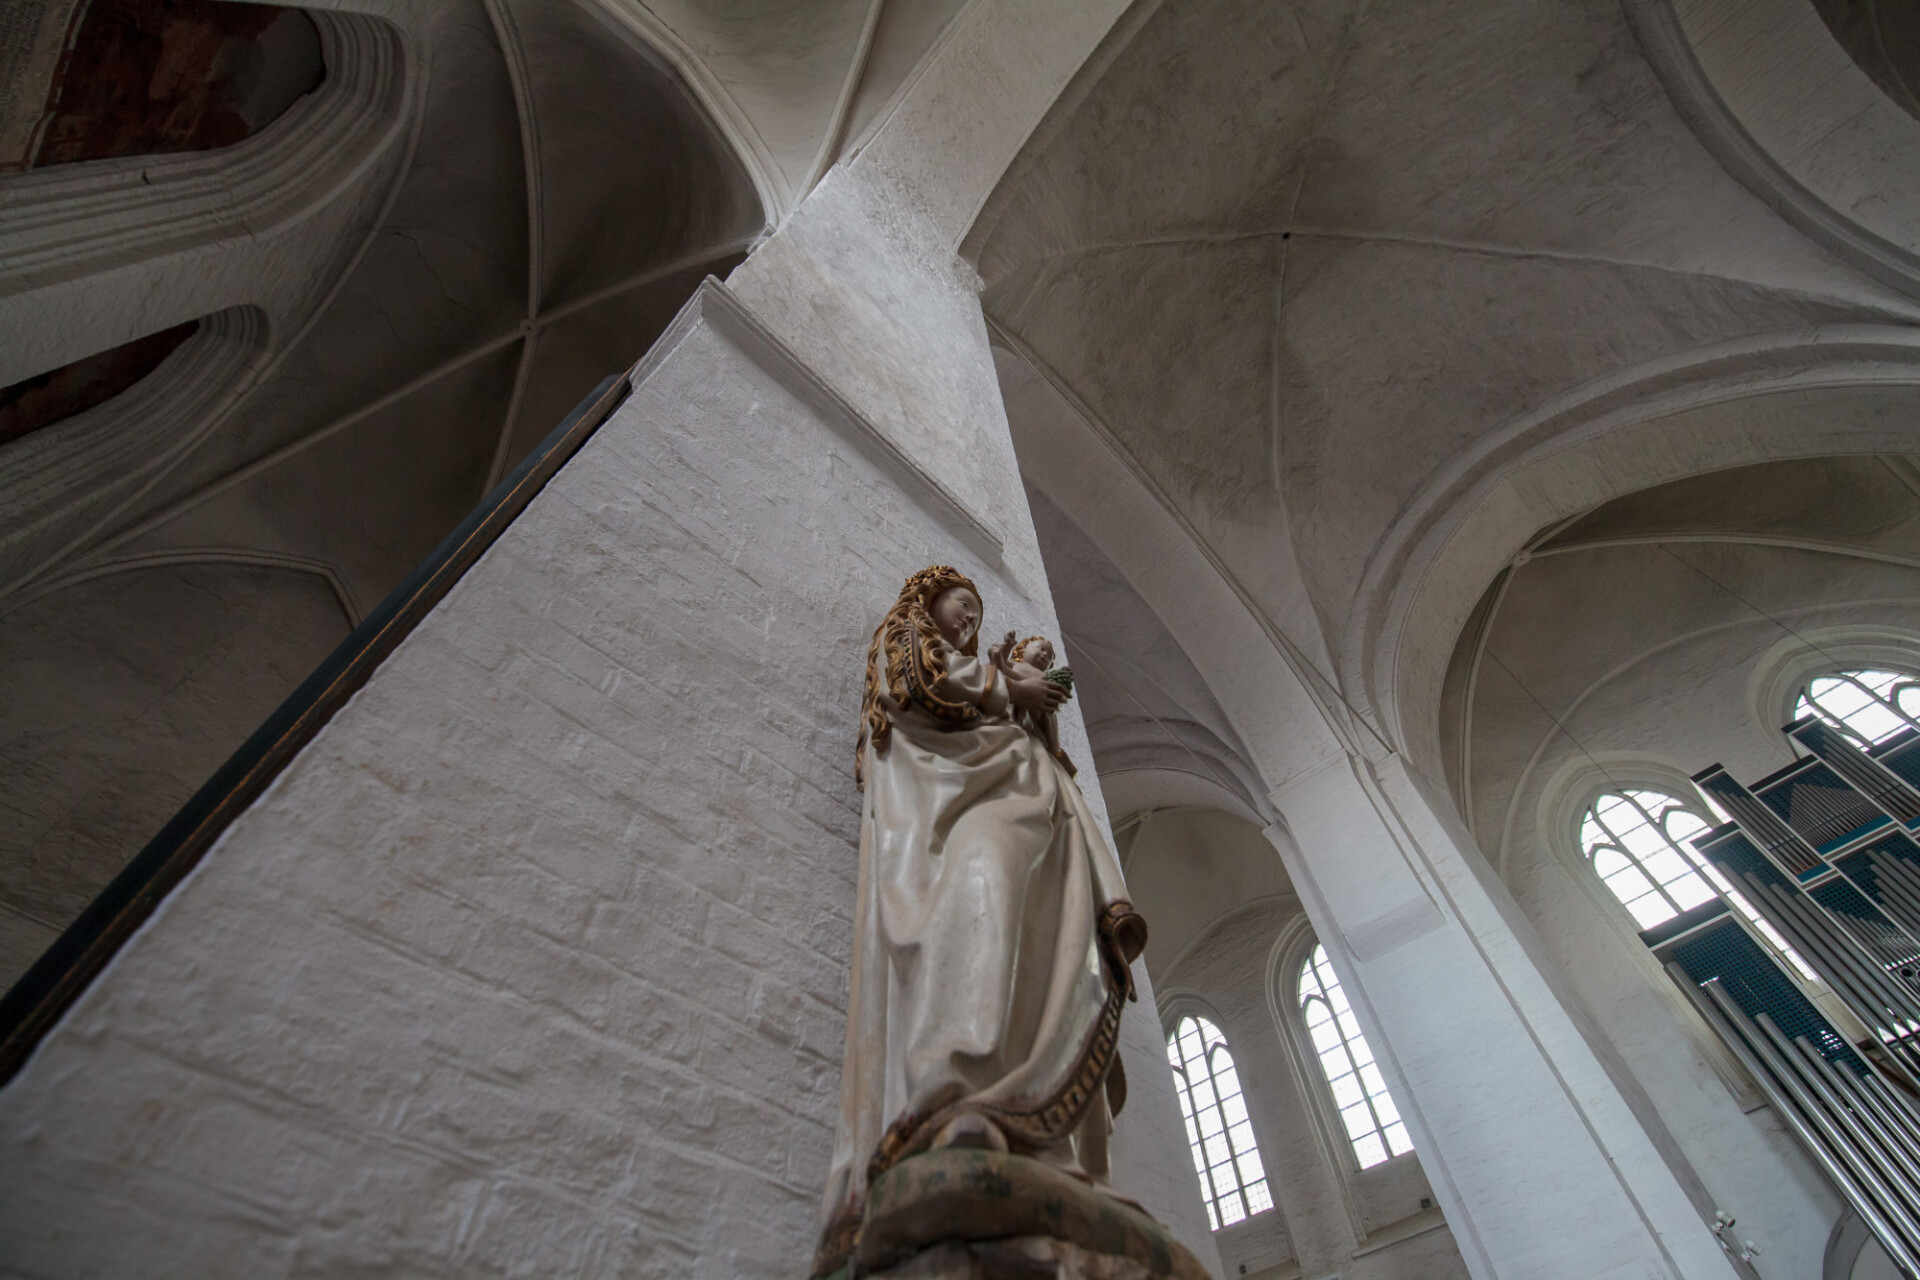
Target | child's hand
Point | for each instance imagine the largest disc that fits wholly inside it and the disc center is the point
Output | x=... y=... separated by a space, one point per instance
x=998 y=654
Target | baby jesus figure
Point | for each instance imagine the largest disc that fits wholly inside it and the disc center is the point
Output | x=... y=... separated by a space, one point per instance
x=1032 y=658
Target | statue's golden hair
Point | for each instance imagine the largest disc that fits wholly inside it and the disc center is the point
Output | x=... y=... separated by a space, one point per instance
x=910 y=643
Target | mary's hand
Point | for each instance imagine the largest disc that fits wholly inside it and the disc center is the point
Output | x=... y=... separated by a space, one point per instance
x=1031 y=693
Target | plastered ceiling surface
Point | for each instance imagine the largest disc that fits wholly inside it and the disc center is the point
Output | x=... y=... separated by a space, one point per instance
x=1304 y=266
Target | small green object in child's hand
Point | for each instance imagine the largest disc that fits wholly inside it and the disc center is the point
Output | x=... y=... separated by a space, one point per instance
x=1062 y=676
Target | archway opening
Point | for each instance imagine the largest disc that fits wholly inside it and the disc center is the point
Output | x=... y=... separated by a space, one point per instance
x=136 y=77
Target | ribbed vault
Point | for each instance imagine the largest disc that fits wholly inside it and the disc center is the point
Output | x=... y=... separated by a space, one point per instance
x=568 y=174
x=1316 y=279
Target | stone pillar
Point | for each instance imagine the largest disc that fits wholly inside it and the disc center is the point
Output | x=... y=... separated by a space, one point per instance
x=884 y=312
x=535 y=960
x=1531 y=1148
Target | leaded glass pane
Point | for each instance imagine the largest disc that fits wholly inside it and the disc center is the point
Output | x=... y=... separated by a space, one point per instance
x=1869 y=704
x=1639 y=843
x=1219 y=1132
x=1651 y=910
x=1359 y=1090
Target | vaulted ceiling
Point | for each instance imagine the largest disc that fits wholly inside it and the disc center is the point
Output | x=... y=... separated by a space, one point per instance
x=542 y=188
x=1310 y=270
x=1645 y=633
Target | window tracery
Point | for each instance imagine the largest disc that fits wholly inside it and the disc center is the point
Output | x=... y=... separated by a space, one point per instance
x=1639 y=842
x=1869 y=705
x=1372 y=1121
x=1233 y=1182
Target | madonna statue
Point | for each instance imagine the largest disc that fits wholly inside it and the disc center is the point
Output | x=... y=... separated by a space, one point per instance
x=992 y=931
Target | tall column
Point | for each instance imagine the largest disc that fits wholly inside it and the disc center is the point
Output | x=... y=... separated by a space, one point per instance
x=535 y=960
x=1534 y=1152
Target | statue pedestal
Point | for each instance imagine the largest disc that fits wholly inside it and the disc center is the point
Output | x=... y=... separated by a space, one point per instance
x=968 y=1214
x=1021 y=1258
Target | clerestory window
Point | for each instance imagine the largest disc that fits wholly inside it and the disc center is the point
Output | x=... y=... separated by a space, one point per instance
x=1367 y=1111
x=1640 y=844
x=1233 y=1182
x=1868 y=705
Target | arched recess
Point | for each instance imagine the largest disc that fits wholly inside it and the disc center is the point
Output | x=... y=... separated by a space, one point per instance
x=1563 y=803
x=1883 y=39
x=506 y=271
x=1840 y=390
x=1190 y=868
x=54 y=480
x=1159 y=736
x=1396 y=1184
x=1291 y=947
x=132 y=78
x=1777 y=99
x=108 y=722
x=1629 y=644
x=102 y=251
x=1220 y=982
x=1640 y=627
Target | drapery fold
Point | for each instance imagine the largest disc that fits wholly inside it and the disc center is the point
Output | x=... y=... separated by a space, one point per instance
x=986 y=975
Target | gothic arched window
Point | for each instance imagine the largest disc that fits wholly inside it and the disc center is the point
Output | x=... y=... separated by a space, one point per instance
x=1640 y=844
x=1372 y=1122
x=1233 y=1182
x=1867 y=705
x=1636 y=841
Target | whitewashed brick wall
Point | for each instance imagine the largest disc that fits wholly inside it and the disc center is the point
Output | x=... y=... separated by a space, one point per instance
x=535 y=961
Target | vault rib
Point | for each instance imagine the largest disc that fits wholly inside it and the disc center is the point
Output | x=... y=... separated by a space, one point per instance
x=1477 y=248
x=514 y=55
x=241 y=475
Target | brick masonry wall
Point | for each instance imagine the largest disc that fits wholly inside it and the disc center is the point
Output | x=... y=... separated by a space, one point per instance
x=535 y=962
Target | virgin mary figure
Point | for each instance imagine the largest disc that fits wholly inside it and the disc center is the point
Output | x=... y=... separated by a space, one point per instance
x=992 y=931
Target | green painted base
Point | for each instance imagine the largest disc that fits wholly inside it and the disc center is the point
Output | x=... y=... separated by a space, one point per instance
x=959 y=1196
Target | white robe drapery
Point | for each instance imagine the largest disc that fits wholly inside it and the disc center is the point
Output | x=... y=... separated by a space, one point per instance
x=985 y=978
